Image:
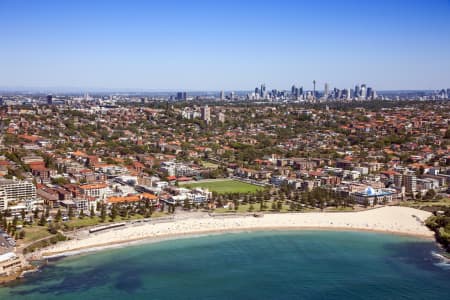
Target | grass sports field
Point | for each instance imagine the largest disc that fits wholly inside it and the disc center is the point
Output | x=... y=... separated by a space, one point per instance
x=226 y=186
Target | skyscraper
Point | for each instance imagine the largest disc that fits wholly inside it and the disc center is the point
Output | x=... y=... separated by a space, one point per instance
x=263 y=90
x=314 y=89
x=49 y=99
x=325 y=91
x=374 y=94
x=294 y=91
x=369 y=93
x=363 y=92
x=181 y=96
x=222 y=95
x=357 y=92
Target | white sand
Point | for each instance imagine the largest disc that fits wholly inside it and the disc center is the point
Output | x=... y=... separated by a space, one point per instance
x=399 y=220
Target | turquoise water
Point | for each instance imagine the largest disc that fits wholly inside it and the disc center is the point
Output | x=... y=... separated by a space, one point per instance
x=259 y=265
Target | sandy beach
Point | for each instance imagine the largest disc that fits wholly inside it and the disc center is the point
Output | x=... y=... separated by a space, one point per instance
x=395 y=220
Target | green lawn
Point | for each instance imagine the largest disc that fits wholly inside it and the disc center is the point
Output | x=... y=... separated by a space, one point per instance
x=88 y=221
x=209 y=165
x=77 y=222
x=35 y=233
x=445 y=202
x=246 y=208
x=226 y=186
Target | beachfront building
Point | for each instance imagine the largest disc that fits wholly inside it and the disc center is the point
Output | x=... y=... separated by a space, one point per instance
x=372 y=196
x=153 y=200
x=15 y=190
x=3 y=200
x=10 y=263
x=96 y=190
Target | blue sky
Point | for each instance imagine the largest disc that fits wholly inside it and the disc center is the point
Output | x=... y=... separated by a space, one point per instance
x=230 y=45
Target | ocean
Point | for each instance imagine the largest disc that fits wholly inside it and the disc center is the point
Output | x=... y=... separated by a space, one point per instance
x=255 y=265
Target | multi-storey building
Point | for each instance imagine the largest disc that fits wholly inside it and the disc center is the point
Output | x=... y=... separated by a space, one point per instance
x=3 y=200
x=410 y=181
x=16 y=190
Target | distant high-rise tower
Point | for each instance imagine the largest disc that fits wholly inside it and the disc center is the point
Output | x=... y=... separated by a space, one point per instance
x=348 y=95
x=363 y=91
x=263 y=90
x=222 y=95
x=357 y=92
x=325 y=91
x=314 y=89
x=181 y=96
x=369 y=93
x=49 y=99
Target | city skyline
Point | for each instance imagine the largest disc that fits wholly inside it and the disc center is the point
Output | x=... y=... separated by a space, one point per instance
x=202 y=46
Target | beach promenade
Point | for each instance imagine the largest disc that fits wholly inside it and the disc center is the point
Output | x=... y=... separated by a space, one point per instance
x=392 y=219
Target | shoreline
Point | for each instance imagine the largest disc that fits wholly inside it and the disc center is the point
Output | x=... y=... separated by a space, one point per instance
x=177 y=236
x=389 y=220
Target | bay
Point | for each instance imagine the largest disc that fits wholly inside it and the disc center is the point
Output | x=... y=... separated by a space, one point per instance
x=255 y=265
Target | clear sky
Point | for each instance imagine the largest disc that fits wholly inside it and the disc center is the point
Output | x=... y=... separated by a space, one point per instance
x=230 y=45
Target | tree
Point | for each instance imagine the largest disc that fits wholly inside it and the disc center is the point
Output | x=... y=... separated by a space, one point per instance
x=22 y=234
x=366 y=202
x=292 y=206
x=274 y=205
x=81 y=216
x=58 y=216
x=251 y=208
x=23 y=214
x=430 y=195
x=92 y=212
x=42 y=220
x=150 y=210
x=186 y=204
x=70 y=213
x=113 y=212
x=36 y=213
x=279 y=205
x=103 y=213
x=52 y=228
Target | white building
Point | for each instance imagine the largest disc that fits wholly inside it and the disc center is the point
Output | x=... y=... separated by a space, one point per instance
x=15 y=190
x=371 y=195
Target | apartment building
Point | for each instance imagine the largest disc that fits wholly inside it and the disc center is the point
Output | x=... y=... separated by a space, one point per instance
x=16 y=190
